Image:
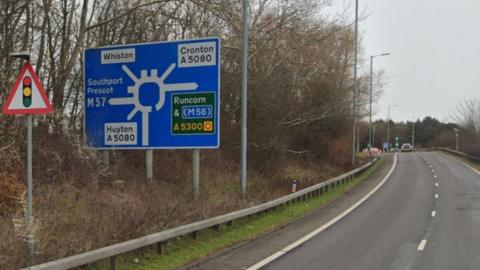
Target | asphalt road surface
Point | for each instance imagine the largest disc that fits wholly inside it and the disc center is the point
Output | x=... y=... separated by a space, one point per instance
x=426 y=216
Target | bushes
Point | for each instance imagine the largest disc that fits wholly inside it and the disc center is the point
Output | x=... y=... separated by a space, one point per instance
x=81 y=204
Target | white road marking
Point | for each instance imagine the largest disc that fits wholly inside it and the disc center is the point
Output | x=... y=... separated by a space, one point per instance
x=422 y=244
x=436 y=196
x=434 y=213
x=436 y=184
x=434 y=176
x=433 y=170
x=320 y=229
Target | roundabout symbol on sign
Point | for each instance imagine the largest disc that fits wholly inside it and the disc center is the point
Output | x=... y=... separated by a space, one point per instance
x=135 y=91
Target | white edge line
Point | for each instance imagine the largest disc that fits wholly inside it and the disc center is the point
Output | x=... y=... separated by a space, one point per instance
x=422 y=244
x=305 y=238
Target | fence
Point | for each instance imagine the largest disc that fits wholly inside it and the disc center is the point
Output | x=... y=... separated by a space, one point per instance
x=159 y=239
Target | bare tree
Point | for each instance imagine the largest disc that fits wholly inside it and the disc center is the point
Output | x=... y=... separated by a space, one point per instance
x=468 y=115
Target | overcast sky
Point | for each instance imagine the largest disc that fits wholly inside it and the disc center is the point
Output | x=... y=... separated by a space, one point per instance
x=435 y=47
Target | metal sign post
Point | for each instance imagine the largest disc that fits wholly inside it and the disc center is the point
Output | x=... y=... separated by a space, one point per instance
x=149 y=163
x=196 y=172
x=28 y=97
x=30 y=239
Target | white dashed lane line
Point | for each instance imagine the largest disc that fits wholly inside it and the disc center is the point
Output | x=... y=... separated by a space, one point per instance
x=434 y=213
x=436 y=196
x=422 y=244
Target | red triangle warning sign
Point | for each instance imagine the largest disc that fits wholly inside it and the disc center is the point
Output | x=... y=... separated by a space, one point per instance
x=27 y=95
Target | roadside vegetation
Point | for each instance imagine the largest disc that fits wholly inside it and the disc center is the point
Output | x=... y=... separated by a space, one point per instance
x=184 y=250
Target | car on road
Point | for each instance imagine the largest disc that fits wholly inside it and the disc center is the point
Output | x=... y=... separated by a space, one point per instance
x=406 y=147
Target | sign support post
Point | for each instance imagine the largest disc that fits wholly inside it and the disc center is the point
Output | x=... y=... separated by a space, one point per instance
x=27 y=97
x=149 y=161
x=106 y=158
x=30 y=239
x=196 y=172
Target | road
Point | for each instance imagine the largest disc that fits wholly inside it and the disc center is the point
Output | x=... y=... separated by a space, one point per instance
x=426 y=216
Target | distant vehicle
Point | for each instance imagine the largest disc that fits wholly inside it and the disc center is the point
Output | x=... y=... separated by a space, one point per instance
x=406 y=147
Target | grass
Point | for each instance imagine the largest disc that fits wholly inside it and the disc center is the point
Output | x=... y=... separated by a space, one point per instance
x=464 y=160
x=185 y=250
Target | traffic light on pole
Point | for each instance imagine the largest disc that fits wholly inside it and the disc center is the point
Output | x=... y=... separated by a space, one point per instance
x=27 y=91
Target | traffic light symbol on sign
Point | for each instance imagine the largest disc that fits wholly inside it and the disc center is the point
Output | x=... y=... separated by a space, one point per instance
x=27 y=91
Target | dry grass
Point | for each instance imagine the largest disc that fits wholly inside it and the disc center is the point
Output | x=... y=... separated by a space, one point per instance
x=80 y=204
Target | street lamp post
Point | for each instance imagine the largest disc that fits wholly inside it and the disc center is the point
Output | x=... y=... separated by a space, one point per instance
x=371 y=94
x=354 y=103
x=388 y=127
x=373 y=134
x=243 y=173
x=413 y=134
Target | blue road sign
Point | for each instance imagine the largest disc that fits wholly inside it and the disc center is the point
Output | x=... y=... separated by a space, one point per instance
x=153 y=95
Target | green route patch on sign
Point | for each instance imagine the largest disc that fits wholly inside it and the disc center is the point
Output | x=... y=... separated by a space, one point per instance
x=193 y=113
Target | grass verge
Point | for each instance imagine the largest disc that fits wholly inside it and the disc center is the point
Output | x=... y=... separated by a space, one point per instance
x=182 y=251
x=464 y=160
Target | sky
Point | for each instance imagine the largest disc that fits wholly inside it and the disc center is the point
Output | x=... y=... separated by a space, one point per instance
x=435 y=53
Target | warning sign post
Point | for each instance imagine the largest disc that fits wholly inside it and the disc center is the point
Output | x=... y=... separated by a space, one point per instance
x=28 y=97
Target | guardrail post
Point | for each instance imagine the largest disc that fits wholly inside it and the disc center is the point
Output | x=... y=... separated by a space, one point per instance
x=195 y=235
x=161 y=248
x=113 y=263
x=230 y=223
